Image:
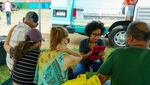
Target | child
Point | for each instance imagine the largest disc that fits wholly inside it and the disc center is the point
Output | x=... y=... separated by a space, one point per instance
x=53 y=68
x=25 y=56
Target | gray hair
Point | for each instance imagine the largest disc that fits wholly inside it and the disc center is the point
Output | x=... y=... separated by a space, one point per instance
x=33 y=16
x=139 y=30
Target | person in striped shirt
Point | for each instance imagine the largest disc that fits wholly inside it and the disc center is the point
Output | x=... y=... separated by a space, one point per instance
x=25 y=56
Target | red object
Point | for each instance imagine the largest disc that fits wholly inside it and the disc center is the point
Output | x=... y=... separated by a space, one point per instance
x=74 y=13
x=130 y=2
x=96 y=49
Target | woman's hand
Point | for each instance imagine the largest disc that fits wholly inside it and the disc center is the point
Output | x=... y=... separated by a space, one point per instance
x=85 y=56
x=89 y=53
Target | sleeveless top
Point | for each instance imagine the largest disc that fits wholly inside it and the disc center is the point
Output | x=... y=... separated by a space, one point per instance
x=49 y=69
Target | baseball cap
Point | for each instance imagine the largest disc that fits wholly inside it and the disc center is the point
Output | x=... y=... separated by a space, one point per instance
x=31 y=15
x=34 y=35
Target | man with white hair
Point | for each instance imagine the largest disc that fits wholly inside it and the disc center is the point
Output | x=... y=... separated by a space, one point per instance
x=130 y=65
x=29 y=21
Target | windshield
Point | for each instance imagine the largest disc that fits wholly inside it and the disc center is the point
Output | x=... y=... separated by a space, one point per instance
x=59 y=3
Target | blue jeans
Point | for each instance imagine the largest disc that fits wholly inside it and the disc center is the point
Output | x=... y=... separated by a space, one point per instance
x=8 y=17
x=108 y=82
x=86 y=65
x=79 y=69
x=130 y=10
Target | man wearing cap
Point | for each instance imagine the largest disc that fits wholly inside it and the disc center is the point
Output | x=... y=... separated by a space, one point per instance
x=30 y=21
x=130 y=65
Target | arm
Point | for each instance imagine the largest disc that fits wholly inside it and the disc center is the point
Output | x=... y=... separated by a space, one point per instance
x=70 y=60
x=6 y=44
x=83 y=49
x=105 y=70
x=71 y=52
x=3 y=6
x=103 y=78
x=124 y=2
x=11 y=6
x=85 y=56
x=133 y=2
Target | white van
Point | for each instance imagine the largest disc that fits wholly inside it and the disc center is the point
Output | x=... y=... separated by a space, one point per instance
x=118 y=29
x=75 y=14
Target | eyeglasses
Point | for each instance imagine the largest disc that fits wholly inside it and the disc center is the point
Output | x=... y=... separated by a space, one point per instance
x=95 y=34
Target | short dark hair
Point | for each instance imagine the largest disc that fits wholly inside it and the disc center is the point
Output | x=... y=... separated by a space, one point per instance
x=139 y=30
x=94 y=25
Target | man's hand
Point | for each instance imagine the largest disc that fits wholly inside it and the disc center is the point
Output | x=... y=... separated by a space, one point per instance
x=103 y=78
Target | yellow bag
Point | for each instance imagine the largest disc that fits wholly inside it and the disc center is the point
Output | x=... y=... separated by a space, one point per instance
x=81 y=80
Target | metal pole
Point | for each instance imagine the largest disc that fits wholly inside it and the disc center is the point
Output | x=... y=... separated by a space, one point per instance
x=39 y=15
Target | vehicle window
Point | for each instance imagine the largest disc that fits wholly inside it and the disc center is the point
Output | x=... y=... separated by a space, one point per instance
x=100 y=6
x=59 y=3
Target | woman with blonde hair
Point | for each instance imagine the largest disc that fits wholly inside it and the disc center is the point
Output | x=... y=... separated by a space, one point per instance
x=58 y=42
x=53 y=68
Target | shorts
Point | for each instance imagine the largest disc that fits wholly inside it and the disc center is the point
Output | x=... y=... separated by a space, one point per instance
x=129 y=11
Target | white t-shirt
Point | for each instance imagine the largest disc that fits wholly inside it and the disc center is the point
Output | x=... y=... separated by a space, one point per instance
x=7 y=6
x=18 y=35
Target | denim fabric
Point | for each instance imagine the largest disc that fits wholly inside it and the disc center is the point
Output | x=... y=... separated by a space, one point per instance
x=85 y=66
x=108 y=82
x=8 y=17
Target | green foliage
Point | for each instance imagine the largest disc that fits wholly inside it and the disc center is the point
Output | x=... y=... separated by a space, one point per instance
x=4 y=73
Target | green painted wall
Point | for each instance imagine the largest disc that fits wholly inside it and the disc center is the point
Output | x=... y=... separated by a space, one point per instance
x=32 y=5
